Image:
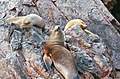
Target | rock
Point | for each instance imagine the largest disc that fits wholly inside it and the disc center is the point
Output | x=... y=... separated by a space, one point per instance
x=91 y=51
x=28 y=43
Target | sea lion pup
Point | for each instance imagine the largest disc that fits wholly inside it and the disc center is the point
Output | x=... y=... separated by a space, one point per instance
x=79 y=22
x=28 y=21
x=62 y=58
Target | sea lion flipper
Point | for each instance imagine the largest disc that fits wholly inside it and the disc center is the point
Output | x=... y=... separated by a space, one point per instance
x=87 y=31
x=48 y=62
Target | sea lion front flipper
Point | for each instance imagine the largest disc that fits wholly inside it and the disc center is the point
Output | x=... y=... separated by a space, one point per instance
x=48 y=62
x=87 y=31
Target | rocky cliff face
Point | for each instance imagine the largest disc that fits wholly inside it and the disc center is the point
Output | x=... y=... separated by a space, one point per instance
x=21 y=50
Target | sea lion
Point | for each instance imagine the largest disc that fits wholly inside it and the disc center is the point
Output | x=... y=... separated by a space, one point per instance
x=80 y=23
x=62 y=58
x=28 y=21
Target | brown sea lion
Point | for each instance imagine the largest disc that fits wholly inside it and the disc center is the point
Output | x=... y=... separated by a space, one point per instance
x=62 y=58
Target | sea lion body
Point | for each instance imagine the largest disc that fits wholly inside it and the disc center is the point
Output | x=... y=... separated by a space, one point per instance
x=62 y=58
x=78 y=22
x=73 y=22
x=28 y=21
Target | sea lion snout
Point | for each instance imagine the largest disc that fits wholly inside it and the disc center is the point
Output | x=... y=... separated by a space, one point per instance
x=57 y=28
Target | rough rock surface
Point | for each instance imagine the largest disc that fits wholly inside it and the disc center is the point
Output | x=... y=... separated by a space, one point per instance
x=21 y=49
x=92 y=55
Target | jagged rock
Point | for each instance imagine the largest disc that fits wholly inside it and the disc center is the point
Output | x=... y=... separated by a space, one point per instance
x=91 y=52
x=21 y=49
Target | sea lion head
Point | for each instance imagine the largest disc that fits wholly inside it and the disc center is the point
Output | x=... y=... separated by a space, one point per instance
x=33 y=20
x=56 y=37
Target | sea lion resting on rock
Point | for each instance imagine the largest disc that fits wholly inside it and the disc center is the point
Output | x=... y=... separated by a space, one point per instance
x=62 y=58
x=28 y=21
x=79 y=22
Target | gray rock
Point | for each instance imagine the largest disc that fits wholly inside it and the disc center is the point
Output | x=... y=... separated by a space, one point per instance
x=28 y=44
